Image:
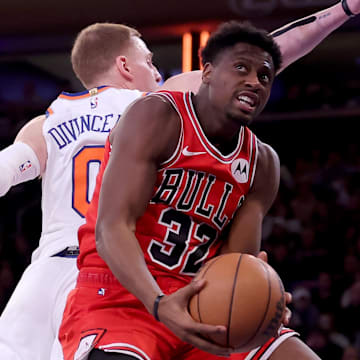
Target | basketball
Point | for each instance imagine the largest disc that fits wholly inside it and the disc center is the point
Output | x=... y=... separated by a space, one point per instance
x=243 y=293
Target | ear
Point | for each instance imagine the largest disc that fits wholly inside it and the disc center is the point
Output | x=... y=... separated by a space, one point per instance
x=123 y=67
x=206 y=73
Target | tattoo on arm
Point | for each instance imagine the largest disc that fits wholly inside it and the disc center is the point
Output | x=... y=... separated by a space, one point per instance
x=301 y=22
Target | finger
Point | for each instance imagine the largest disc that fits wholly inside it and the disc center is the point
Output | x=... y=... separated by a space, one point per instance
x=209 y=330
x=194 y=287
x=263 y=256
x=288 y=297
x=287 y=317
x=208 y=346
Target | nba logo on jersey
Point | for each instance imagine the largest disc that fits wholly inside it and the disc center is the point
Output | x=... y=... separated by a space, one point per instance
x=240 y=170
x=26 y=165
x=93 y=102
x=101 y=291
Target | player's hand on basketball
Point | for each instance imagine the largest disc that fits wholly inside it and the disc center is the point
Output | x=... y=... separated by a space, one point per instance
x=288 y=298
x=173 y=312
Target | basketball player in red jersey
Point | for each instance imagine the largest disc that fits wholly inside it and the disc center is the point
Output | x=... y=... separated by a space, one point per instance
x=178 y=167
x=18 y=335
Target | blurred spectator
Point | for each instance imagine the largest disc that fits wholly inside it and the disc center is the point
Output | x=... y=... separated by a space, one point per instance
x=320 y=342
x=305 y=315
x=327 y=324
x=350 y=312
x=325 y=295
x=350 y=353
x=309 y=255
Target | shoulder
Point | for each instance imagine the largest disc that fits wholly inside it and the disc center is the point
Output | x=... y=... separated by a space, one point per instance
x=267 y=168
x=267 y=156
x=154 y=109
x=125 y=95
x=150 y=122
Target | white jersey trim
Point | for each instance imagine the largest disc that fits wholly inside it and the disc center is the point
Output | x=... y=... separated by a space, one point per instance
x=211 y=149
x=255 y=159
x=176 y=154
x=274 y=345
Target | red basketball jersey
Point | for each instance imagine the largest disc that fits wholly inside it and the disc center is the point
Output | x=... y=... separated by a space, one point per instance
x=196 y=194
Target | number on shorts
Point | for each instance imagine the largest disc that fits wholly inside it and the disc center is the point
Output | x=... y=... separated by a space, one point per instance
x=86 y=165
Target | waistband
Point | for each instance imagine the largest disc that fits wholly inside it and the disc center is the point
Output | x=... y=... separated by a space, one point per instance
x=68 y=252
x=102 y=277
x=96 y=276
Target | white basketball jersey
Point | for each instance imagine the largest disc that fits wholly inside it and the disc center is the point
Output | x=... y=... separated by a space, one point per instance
x=75 y=131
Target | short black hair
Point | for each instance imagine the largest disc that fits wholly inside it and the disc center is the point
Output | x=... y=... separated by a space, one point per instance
x=230 y=33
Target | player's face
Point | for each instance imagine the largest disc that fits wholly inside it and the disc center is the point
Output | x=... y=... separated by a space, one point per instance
x=240 y=81
x=146 y=75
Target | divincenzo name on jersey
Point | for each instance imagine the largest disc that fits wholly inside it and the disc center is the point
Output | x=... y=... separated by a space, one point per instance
x=70 y=130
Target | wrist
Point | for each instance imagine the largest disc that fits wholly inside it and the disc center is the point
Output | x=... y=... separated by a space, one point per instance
x=346 y=8
x=156 y=306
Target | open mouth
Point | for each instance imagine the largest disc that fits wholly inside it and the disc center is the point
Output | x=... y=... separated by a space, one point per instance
x=247 y=102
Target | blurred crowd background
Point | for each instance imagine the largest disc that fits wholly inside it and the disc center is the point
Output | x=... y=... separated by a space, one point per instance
x=312 y=233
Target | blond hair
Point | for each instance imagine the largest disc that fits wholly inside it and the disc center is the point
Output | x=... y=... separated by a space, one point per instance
x=96 y=47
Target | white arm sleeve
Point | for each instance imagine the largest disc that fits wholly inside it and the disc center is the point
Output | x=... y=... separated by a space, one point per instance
x=18 y=163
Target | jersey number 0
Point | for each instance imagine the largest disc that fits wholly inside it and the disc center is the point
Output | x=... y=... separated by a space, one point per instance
x=86 y=165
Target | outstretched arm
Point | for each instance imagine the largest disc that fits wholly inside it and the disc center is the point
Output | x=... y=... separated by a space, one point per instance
x=295 y=39
x=26 y=158
x=298 y=38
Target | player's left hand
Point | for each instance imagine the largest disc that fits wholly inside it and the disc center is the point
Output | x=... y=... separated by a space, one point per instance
x=173 y=312
x=288 y=298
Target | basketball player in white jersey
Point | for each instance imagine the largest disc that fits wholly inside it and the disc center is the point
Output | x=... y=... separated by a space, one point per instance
x=65 y=149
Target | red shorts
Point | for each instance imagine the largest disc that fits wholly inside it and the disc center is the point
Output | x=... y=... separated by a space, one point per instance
x=101 y=314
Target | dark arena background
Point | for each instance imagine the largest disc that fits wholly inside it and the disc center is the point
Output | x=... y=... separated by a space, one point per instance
x=312 y=232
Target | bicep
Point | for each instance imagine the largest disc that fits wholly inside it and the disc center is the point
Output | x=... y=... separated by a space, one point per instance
x=32 y=135
x=246 y=228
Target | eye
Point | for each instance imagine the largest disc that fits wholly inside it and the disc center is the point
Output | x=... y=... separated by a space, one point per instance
x=241 y=67
x=149 y=60
x=264 y=78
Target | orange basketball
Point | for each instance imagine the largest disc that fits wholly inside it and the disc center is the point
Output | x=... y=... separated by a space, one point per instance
x=243 y=293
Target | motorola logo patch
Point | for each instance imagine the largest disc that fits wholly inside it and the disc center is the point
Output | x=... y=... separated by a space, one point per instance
x=240 y=170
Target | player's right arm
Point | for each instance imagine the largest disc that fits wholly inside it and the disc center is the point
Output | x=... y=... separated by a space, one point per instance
x=146 y=135
x=25 y=159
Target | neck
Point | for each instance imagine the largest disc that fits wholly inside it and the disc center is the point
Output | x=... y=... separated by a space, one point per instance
x=218 y=127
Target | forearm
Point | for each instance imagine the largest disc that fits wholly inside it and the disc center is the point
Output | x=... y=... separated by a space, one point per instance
x=18 y=163
x=120 y=249
x=300 y=37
